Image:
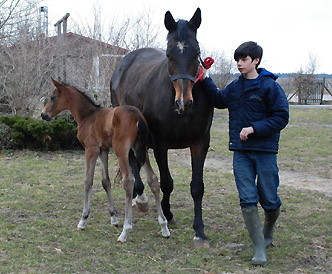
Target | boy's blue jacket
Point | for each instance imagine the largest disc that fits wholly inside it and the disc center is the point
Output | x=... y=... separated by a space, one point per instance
x=260 y=103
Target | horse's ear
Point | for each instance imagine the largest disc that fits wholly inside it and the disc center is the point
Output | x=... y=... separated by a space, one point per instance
x=196 y=20
x=170 y=23
x=56 y=83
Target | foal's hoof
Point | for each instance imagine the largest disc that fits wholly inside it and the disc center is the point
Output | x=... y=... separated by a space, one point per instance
x=201 y=243
x=142 y=207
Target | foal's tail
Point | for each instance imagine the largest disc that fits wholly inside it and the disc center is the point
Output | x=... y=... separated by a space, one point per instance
x=134 y=127
x=140 y=146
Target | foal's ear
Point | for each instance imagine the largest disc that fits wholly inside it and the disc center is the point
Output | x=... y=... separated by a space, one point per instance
x=196 y=20
x=169 y=22
x=56 y=83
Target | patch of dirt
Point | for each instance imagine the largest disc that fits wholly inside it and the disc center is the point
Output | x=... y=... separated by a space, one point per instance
x=294 y=179
x=307 y=181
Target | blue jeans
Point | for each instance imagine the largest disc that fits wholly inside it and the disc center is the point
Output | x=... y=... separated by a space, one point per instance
x=247 y=167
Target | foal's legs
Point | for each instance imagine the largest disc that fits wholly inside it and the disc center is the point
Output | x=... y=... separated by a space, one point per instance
x=103 y=156
x=91 y=156
x=128 y=185
x=155 y=189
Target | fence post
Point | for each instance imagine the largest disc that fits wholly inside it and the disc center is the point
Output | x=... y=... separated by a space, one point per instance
x=322 y=90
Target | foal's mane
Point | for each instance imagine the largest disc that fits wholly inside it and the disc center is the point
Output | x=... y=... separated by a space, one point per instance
x=83 y=93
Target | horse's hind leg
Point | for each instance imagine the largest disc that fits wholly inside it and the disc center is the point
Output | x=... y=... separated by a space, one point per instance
x=90 y=164
x=155 y=189
x=103 y=156
x=141 y=200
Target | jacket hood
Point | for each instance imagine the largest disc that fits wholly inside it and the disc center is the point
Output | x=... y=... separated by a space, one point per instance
x=256 y=83
x=262 y=73
x=265 y=73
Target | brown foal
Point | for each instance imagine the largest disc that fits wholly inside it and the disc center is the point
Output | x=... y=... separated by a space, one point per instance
x=123 y=128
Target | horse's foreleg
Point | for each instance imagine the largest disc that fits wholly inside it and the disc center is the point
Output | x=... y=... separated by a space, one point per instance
x=166 y=181
x=90 y=164
x=198 y=155
x=155 y=189
x=128 y=185
x=103 y=156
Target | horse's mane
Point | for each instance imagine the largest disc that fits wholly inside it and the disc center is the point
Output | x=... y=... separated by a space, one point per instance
x=83 y=93
x=182 y=29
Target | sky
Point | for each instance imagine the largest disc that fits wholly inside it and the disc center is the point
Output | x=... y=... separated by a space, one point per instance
x=290 y=31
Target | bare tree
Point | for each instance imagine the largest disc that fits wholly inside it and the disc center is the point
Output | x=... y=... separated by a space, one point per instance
x=84 y=59
x=223 y=68
x=15 y=15
x=304 y=82
x=24 y=68
x=125 y=33
x=7 y=8
x=96 y=55
x=23 y=62
x=312 y=64
x=143 y=32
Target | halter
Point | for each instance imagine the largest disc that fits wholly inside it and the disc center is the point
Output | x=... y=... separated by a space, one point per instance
x=182 y=76
x=205 y=64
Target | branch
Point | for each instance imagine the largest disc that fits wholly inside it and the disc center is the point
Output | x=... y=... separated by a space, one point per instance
x=13 y=5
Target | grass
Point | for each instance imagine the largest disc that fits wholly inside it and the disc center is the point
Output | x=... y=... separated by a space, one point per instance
x=41 y=199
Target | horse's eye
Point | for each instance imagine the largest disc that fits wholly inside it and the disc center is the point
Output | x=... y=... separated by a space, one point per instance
x=52 y=98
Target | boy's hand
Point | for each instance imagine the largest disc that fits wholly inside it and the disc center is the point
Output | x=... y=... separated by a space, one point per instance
x=245 y=132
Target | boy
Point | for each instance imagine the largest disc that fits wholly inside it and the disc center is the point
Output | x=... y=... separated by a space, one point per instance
x=258 y=111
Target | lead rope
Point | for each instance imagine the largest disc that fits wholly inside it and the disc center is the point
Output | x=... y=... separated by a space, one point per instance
x=207 y=63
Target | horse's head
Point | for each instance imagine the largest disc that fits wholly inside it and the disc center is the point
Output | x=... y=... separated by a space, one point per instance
x=183 y=53
x=56 y=103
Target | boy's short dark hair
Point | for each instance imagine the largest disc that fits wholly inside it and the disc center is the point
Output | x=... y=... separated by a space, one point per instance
x=251 y=49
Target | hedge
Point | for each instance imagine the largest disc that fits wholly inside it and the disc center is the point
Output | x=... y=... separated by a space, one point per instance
x=27 y=133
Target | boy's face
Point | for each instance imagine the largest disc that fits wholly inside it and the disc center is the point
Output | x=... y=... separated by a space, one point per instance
x=246 y=65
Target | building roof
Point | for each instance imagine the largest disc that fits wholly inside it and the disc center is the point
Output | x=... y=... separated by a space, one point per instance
x=71 y=35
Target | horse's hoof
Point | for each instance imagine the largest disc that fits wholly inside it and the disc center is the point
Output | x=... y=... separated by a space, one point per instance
x=172 y=221
x=201 y=243
x=114 y=221
x=80 y=229
x=165 y=232
x=122 y=239
x=142 y=207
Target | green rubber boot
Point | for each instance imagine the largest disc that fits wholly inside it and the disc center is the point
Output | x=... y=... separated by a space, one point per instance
x=270 y=219
x=251 y=219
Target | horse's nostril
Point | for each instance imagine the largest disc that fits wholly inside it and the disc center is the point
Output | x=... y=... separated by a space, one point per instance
x=190 y=104
x=179 y=106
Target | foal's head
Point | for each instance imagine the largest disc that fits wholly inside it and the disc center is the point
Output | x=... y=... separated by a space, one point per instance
x=68 y=97
x=183 y=53
x=56 y=103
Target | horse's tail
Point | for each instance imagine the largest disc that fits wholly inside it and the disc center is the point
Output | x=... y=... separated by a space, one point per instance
x=140 y=145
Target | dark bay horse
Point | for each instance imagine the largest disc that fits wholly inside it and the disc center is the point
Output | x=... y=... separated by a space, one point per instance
x=161 y=85
x=125 y=129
